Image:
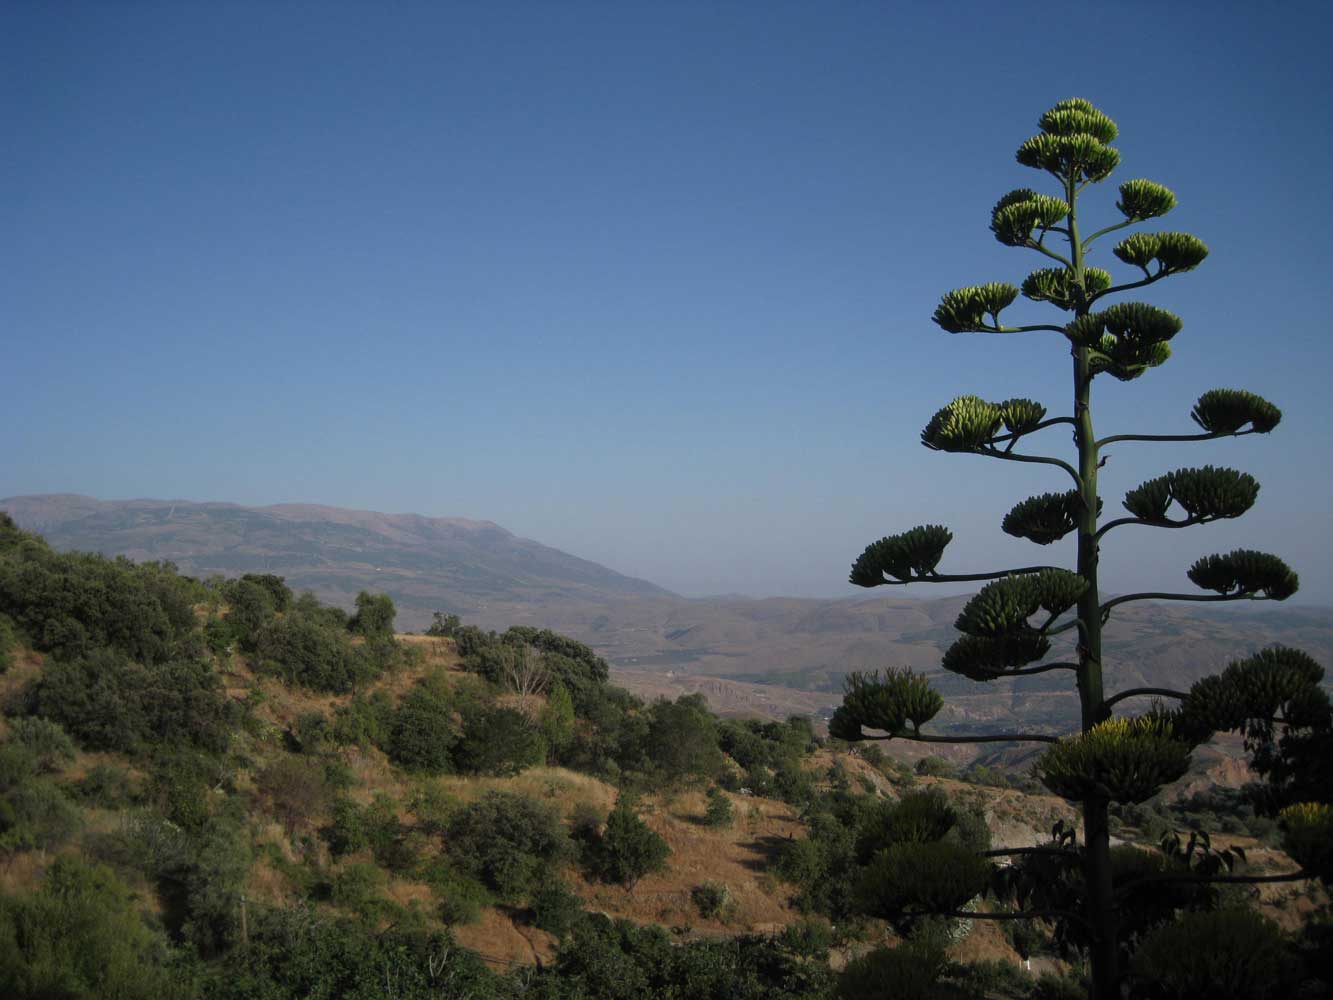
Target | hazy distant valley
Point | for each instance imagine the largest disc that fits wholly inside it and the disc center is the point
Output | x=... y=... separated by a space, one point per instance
x=772 y=657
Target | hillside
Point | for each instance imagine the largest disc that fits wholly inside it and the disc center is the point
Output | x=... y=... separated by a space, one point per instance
x=221 y=789
x=770 y=657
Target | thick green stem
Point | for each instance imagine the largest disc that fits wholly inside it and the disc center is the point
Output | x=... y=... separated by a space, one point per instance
x=1096 y=825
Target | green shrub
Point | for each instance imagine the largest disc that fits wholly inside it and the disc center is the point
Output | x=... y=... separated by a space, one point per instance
x=1229 y=954
x=347 y=833
x=365 y=721
x=72 y=603
x=49 y=744
x=499 y=741
x=627 y=849
x=107 y=702
x=556 y=910
x=710 y=899
x=374 y=615
x=79 y=937
x=107 y=786
x=423 y=733
x=36 y=815
x=507 y=842
x=461 y=897
x=911 y=971
x=8 y=642
x=719 y=812
x=359 y=888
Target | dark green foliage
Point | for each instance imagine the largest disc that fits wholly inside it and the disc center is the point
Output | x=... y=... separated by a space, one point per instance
x=73 y=603
x=499 y=741
x=682 y=738
x=79 y=937
x=106 y=786
x=279 y=594
x=360 y=888
x=710 y=899
x=9 y=641
x=424 y=731
x=46 y=741
x=35 y=814
x=569 y=663
x=1229 y=954
x=460 y=896
x=611 y=960
x=252 y=604
x=913 y=876
x=719 y=812
x=911 y=971
x=348 y=830
x=555 y=909
x=444 y=626
x=557 y=721
x=507 y=842
x=295 y=955
x=374 y=616
x=303 y=650
x=365 y=721
x=627 y=848
x=108 y=702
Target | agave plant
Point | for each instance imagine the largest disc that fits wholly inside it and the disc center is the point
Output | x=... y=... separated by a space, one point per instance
x=1008 y=626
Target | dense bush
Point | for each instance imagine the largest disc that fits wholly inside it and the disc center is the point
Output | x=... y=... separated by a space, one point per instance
x=710 y=899
x=500 y=741
x=507 y=842
x=108 y=702
x=1228 y=954
x=374 y=616
x=718 y=812
x=682 y=738
x=424 y=730
x=78 y=937
x=627 y=849
x=305 y=651
x=295 y=955
x=73 y=603
x=9 y=641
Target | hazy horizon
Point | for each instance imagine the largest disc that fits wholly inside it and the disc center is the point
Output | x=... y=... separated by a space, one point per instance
x=649 y=284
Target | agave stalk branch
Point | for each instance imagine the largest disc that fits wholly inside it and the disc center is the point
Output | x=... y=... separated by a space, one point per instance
x=1209 y=598
x=1032 y=430
x=1164 y=523
x=1010 y=456
x=1140 y=692
x=1299 y=876
x=1109 y=229
x=919 y=737
x=1206 y=436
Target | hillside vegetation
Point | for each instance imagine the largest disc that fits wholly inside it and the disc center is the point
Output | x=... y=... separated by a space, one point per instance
x=220 y=788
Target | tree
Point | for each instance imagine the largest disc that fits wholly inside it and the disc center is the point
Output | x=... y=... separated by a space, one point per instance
x=628 y=848
x=1273 y=697
x=374 y=616
x=524 y=672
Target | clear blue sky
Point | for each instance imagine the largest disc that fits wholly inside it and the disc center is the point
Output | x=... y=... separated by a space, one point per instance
x=648 y=282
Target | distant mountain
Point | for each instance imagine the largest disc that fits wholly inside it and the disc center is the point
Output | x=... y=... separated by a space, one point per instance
x=770 y=656
x=427 y=564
